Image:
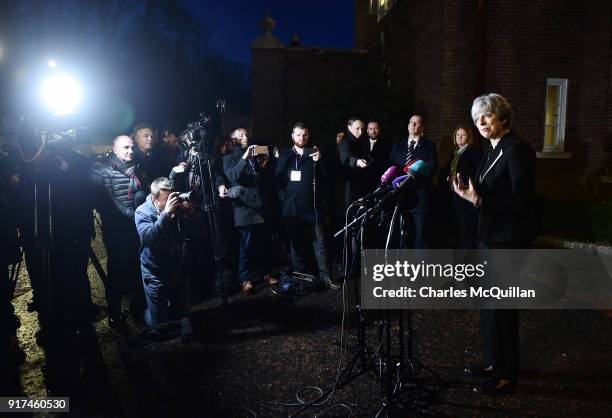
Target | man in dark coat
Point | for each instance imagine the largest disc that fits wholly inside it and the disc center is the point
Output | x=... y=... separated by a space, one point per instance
x=353 y=152
x=416 y=206
x=253 y=175
x=148 y=155
x=299 y=178
x=378 y=152
x=118 y=185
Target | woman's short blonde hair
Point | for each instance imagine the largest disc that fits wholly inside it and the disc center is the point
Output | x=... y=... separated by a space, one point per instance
x=468 y=131
x=493 y=103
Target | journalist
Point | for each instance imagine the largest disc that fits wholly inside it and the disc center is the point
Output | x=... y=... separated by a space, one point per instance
x=164 y=252
x=118 y=184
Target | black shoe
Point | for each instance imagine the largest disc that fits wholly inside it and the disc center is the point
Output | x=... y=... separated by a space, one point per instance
x=478 y=370
x=331 y=285
x=495 y=386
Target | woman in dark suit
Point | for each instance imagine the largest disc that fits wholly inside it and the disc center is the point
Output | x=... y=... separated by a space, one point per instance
x=504 y=190
x=464 y=160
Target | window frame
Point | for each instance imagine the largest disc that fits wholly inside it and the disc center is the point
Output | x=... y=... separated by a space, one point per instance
x=559 y=140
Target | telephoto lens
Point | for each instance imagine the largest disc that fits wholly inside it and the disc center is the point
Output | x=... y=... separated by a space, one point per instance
x=188 y=196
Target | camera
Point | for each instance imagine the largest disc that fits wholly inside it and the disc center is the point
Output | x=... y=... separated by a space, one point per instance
x=191 y=196
x=196 y=132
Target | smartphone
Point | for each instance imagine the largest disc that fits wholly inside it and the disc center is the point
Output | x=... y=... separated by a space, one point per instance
x=261 y=149
x=309 y=150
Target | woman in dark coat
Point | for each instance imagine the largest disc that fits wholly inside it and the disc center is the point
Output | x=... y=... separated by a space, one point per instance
x=504 y=191
x=464 y=160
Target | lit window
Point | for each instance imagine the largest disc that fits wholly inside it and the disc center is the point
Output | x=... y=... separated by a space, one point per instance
x=381 y=7
x=554 y=119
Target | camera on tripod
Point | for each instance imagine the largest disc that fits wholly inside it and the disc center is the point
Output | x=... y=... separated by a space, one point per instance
x=43 y=141
x=196 y=132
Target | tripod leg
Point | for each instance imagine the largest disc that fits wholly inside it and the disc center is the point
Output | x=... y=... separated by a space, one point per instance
x=98 y=267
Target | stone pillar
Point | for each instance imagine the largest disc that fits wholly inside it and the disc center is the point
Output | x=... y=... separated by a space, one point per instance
x=269 y=85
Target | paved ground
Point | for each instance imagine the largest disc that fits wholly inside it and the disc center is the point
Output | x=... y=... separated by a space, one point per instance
x=264 y=355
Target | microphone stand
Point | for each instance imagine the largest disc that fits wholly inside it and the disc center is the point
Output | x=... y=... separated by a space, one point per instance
x=390 y=366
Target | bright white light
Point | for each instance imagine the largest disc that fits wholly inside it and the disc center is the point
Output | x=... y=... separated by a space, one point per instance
x=52 y=64
x=61 y=94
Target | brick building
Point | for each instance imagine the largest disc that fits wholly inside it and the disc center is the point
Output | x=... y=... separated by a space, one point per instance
x=550 y=58
x=323 y=87
x=440 y=54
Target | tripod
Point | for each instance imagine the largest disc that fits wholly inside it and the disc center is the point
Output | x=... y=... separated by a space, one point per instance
x=403 y=368
x=397 y=370
x=200 y=157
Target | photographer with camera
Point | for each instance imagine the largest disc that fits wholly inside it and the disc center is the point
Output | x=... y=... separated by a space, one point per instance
x=118 y=182
x=164 y=254
x=251 y=168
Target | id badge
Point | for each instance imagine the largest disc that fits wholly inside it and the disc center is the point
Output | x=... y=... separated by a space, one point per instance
x=296 y=175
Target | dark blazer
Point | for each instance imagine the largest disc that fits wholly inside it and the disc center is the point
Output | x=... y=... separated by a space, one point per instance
x=380 y=162
x=420 y=201
x=468 y=163
x=351 y=150
x=151 y=167
x=251 y=207
x=507 y=189
x=297 y=197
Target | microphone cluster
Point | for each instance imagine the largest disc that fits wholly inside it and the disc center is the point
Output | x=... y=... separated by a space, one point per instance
x=392 y=180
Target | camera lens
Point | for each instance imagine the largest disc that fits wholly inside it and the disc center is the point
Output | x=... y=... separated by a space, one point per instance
x=187 y=196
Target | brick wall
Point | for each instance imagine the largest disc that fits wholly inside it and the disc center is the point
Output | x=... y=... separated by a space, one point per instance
x=435 y=56
x=527 y=42
x=321 y=87
x=440 y=59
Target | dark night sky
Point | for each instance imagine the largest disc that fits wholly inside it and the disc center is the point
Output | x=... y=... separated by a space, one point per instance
x=235 y=24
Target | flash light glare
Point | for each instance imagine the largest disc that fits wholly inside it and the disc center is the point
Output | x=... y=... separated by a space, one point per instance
x=61 y=94
x=52 y=64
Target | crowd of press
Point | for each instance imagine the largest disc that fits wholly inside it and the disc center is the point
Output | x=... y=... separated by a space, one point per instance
x=157 y=235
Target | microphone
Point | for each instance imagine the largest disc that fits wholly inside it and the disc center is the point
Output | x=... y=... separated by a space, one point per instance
x=416 y=171
x=388 y=176
x=391 y=173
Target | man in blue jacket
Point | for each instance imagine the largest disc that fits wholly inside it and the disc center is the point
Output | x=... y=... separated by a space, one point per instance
x=163 y=256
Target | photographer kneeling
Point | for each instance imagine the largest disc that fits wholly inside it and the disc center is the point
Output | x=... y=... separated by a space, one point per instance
x=163 y=255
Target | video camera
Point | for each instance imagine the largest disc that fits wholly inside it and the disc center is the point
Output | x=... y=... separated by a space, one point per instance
x=43 y=141
x=196 y=133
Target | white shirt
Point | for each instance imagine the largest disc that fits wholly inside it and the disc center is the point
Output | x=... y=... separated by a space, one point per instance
x=372 y=143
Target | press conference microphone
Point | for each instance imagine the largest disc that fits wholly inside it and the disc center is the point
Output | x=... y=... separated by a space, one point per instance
x=416 y=171
x=391 y=173
x=385 y=186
